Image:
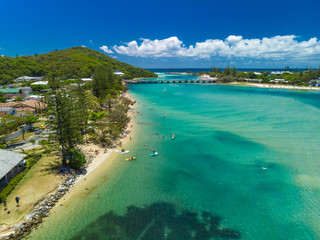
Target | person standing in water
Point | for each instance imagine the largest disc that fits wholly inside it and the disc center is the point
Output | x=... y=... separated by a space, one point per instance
x=153 y=150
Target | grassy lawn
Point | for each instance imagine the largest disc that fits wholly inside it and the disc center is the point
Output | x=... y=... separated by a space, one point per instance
x=39 y=181
x=27 y=135
x=39 y=124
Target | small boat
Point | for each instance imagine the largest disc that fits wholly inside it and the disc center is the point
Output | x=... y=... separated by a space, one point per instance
x=129 y=159
x=173 y=136
x=264 y=168
x=154 y=154
x=125 y=152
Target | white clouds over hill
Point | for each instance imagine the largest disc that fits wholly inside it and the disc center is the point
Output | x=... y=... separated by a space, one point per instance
x=274 y=48
x=106 y=49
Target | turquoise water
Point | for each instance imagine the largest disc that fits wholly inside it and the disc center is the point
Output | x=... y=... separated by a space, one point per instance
x=244 y=164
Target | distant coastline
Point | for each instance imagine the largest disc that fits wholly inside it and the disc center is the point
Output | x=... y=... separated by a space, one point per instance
x=274 y=86
x=194 y=70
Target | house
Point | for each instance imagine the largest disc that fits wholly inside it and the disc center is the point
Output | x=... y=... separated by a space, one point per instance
x=7 y=110
x=34 y=97
x=27 y=90
x=40 y=83
x=86 y=79
x=30 y=107
x=315 y=82
x=279 y=80
x=11 y=164
x=27 y=79
x=12 y=92
x=118 y=73
x=280 y=72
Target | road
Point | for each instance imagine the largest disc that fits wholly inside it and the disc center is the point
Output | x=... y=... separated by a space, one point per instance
x=26 y=144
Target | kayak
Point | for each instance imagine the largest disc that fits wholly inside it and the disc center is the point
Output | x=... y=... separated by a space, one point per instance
x=154 y=154
x=125 y=152
x=129 y=159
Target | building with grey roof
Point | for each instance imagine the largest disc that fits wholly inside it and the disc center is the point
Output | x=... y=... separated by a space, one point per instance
x=7 y=110
x=11 y=164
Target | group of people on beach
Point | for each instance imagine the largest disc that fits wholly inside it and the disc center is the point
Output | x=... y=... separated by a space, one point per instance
x=5 y=206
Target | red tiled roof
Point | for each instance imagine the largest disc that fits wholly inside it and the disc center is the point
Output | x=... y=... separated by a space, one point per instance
x=24 y=104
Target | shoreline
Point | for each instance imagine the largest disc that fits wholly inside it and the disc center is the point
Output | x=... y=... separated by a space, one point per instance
x=100 y=162
x=273 y=86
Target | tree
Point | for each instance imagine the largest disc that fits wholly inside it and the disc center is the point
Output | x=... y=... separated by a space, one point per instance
x=103 y=80
x=18 y=99
x=227 y=71
x=98 y=120
x=119 y=115
x=100 y=83
x=3 y=99
x=234 y=72
x=67 y=109
x=9 y=124
x=38 y=88
x=30 y=119
x=33 y=142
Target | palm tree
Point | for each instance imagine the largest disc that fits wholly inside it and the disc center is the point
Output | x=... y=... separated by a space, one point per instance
x=33 y=142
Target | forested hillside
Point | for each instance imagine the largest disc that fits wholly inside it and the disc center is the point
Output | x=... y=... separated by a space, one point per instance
x=73 y=63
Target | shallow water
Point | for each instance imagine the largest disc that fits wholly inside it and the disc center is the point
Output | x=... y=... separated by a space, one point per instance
x=244 y=164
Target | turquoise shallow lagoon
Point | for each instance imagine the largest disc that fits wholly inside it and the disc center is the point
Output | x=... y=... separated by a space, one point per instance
x=245 y=164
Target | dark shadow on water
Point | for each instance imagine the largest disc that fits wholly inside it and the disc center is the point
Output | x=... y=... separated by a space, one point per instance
x=159 y=221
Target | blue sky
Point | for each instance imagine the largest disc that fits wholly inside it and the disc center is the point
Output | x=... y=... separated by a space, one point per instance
x=161 y=34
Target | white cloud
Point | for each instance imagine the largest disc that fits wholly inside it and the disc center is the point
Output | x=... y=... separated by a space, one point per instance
x=83 y=46
x=168 y=47
x=274 y=48
x=91 y=42
x=106 y=49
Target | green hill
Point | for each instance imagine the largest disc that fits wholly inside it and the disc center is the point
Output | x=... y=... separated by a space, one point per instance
x=73 y=62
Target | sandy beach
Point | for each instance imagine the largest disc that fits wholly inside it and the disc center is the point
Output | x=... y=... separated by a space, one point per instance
x=99 y=160
x=276 y=86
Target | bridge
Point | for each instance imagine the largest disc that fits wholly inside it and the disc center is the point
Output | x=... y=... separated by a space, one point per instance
x=141 y=81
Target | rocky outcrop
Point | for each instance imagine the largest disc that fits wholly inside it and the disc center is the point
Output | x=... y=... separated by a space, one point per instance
x=40 y=211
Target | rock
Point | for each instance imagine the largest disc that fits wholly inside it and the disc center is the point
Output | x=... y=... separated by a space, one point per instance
x=17 y=226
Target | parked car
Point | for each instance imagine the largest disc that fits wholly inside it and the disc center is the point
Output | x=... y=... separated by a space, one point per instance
x=22 y=163
x=37 y=131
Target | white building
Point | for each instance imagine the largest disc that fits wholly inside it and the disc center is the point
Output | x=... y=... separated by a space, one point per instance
x=86 y=79
x=27 y=78
x=278 y=80
x=40 y=83
x=280 y=72
x=11 y=164
x=118 y=73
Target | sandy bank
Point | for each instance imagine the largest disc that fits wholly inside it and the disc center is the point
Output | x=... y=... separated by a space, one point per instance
x=275 y=86
x=99 y=161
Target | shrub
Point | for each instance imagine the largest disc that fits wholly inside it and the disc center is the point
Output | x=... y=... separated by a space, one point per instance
x=76 y=158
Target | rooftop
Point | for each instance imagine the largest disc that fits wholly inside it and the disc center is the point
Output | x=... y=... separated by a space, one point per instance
x=8 y=160
x=10 y=90
x=40 y=83
x=29 y=103
x=5 y=109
